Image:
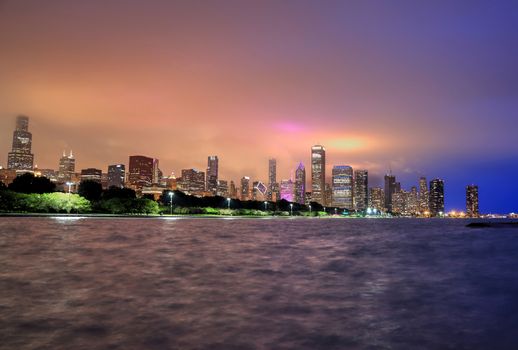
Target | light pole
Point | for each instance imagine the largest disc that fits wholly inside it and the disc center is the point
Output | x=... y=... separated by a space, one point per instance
x=335 y=211
x=291 y=209
x=69 y=184
x=265 y=205
x=228 y=202
x=171 y=194
x=310 y=209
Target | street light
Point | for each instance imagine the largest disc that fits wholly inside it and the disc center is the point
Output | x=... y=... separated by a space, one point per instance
x=310 y=209
x=228 y=201
x=335 y=211
x=171 y=194
x=265 y=205
x=69 y=184
x=291 y=209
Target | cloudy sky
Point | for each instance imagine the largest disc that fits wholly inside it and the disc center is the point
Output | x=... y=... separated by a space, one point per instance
x=419 y=87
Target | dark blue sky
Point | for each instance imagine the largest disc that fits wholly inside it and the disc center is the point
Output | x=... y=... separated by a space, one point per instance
x=421 y=87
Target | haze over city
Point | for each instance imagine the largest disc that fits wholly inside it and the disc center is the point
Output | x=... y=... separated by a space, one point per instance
x=419 y=88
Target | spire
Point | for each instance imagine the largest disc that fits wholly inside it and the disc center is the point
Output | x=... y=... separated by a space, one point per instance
x=71 y=154
x=64 y=154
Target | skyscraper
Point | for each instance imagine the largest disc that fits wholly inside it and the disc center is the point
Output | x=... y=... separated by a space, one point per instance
x=300 y=183
x=377 y=199
x=361 y=190
x=116 y=175
x=287 y=190
x=193 y=181
x=67 y=167
x=91 y=174
x=472 y=201
x=413 y=201
x=222 y=188
x=424 y=200
x=20 y=157
x=141 y=172
x=245 y=188
x=390 y=189
x=436 y=197
x=318 y=174
x=212 y=174
x=342 y=186
x=272 y=178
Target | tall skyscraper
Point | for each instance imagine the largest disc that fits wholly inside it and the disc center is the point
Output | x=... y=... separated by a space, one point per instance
x=342 y=186
x=116 y=175
x=272 y=179
x=212 y=174
x=377 y=199
x=20 y=157
x=318 y=174
x=222 y=188
x=193 y=181
x=67 y=167
x=232 y=190
x=300 y=184
x=472 y=201
x=436 y=197
x=390 y=189
x=287 y=190
x=361 y=190
x=424 y=200
x=245 y=188
x=141 y=172
x=413 y=201
x=157 y=173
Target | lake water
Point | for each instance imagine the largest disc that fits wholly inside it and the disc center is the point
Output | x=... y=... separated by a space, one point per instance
x=256 y=284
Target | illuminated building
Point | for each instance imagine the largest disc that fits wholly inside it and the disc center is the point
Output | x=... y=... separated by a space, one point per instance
x=424 y=200
x=390 y=189
x=232 y=191
x=193 y=182
x=288 y=190
x=222 y=188
x=212 y=175
x=318 y=174
x=377 y=199
x=171 y=182
x=50 y=174
x=91 y=174
x=20 y=158
x=259 y=191
x=307 y=198
x=342 y=185
x=7 y=176
x=67 y=167
x=300 y=184
x=361 y=190
x=157 y=173
x=116 y=175
x=436 y=197
x=141 y=172
x=328 y=194
x=472 y=201
x=245 y=188
x=413 y=201
x=399 y=202
x=272 y=179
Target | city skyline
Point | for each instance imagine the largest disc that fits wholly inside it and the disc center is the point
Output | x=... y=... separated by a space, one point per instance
x=423 y=90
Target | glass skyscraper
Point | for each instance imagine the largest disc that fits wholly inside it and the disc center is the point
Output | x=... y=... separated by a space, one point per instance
x=20 y=157
x=318 y=174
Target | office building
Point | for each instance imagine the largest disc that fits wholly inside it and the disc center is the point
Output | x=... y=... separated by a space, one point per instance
x=424 y=200
x=472 y=201
x=390 y=189
x=141 y=173
x=300 y=184
x=272 y=179
x=436 y=197
x=91 y=174
x=67 y=168
x=212 y=175
x=318 y=174
x=361 y=190
x=342 y=187
x=287 y=189
x=245 y=188
x=192 y=182
x=116 y=175
x=377 y=199
x=20 y=158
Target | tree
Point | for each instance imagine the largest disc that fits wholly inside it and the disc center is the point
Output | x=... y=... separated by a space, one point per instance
x=3 y=187
x=28 y=183
x=91 y=190
x=116 y=192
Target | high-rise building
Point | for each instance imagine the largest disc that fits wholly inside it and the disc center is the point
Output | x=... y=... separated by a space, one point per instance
x=436 y=197
x=287 y=190
x=300 y=184
x=157 y=173
x=116 y=175
x=232 y=191
x=342 y=187
x=424 y=200
x=245 y=188
x=472 y=201
x=20 y=157
x=413 y=201
x=212 y=174
x=272 y=179
x=361 y=190
x=193 y=182
x=222 y=188
x=377 y=199
x=142 y=172
x=390 y=189
x=91 y=174
x=318 y=174
x=67 y=167
x=400 y=202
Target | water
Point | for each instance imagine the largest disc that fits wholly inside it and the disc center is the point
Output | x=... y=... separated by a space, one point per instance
x=256 y=284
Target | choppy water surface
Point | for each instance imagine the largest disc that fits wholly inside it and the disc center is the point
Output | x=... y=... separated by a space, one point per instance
x=256 y=284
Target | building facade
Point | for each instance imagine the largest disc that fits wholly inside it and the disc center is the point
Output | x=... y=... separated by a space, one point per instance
x=300 y=184
x=245 y=188
x=436 y=197
x=273 y=187
x=67 y=168
x=287 y=190
x=318 y=174
x=472 y=201
x=361 y=190
x=141 y=172
x=192 y=182
x=212 y=175
x=116 y=175
x=390 y=189
x=20 y=157
x=342 y=187
x=91 y=174
x=424 y=200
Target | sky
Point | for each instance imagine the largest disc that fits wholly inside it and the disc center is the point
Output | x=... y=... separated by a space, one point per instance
x=417 y=87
